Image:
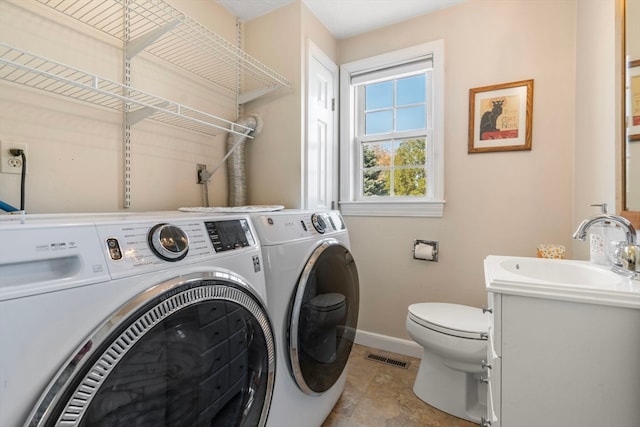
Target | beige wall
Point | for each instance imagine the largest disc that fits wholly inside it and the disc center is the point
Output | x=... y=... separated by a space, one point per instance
x=273 y=157
x=598 y=106
x=75 y=150
x=276 y=156
x=497 y=203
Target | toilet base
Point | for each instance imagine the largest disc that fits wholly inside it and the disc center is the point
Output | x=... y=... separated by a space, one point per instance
x=458 y=393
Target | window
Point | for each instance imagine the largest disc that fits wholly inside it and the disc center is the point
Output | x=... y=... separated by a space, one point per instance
x=392 y=115
x=391 y=133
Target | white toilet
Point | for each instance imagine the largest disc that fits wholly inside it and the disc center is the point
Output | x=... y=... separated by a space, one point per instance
x=454 y=339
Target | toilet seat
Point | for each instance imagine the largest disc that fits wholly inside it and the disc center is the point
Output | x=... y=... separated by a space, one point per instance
x=451 y=319
x=327 y=302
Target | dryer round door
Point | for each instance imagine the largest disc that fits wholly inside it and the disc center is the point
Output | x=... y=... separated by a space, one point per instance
x=194 y=351
x=324 y=317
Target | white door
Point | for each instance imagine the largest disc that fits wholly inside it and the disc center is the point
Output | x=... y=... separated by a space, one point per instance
x=321 y=172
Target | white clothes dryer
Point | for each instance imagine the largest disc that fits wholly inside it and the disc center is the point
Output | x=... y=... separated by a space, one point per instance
x=133 y=319
x=313 y=298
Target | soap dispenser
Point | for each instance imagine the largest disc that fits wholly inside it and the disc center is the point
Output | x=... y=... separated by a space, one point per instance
x=602 y=239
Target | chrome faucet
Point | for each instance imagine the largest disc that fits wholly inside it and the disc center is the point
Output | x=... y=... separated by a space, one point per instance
x=581 y=232
x=627 y=255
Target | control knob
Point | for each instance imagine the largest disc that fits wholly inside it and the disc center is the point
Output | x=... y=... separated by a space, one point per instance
x=168 y=242
x=318 y=223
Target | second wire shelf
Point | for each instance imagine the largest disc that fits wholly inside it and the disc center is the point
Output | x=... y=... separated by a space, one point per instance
x=27 y=69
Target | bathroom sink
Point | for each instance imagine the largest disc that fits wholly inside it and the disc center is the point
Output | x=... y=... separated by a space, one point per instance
x=567 y=280
x=564 y=272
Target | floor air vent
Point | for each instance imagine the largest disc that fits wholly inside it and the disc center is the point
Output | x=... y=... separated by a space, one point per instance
x=387 y=360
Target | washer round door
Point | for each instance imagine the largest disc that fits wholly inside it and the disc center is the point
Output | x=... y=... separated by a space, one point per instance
x=324 y=317
x=195 y=351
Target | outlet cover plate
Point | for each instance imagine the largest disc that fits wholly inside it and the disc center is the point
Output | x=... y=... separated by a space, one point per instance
x=9 y=163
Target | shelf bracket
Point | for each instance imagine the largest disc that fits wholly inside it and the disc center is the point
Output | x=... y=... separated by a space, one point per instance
x=243 y=98
x=134 y=117
x=139 y=44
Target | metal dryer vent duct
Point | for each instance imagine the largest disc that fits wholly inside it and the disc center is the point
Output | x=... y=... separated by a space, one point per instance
x=236 y=163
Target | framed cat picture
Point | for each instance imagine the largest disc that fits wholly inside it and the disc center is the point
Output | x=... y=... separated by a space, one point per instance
x=500 y=117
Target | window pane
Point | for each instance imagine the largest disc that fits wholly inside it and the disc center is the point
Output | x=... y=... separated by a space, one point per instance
x=379 y=122
x=376 y=183
x=379 y=95
x=411 y=118
x=376 y=154
x=411 y=90
x=411 y=152
x=410 y=182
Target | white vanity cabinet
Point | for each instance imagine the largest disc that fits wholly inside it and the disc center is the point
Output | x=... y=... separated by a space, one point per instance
x=561 y=361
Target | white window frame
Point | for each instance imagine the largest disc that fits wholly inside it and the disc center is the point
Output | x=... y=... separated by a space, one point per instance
x=351 y=204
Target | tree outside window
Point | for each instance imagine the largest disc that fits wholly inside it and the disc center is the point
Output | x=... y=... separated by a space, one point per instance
x=407 y=176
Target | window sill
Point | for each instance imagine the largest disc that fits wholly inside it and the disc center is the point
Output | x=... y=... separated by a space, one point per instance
x=430 y=209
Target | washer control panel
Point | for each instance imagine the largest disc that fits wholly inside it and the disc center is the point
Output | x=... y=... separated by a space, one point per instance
x=230 y=234
x=145 y=246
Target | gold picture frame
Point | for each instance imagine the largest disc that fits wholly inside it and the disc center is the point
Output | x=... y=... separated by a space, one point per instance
x=500 y=117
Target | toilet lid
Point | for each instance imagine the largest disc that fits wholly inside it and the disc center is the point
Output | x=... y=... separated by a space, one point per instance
x=327 y=302
x=454 y=319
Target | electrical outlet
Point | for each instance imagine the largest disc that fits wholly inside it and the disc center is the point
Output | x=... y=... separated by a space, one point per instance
x=199 y=169
x=10 y=163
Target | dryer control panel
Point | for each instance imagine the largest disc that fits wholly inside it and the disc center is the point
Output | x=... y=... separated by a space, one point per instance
x=288 y=226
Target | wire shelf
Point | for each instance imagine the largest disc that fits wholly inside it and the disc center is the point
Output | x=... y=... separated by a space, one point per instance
x=154 y=27
x=24 y=68
x=157 y=28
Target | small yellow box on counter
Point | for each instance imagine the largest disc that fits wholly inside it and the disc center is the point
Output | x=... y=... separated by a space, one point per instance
x=551 y=251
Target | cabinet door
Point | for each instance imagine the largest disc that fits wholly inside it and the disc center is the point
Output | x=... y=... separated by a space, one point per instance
x=493 y=360
x=494 y=303
x=569 y=364
x=493 y=391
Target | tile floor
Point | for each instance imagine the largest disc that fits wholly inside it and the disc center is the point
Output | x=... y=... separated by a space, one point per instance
x=380 y=395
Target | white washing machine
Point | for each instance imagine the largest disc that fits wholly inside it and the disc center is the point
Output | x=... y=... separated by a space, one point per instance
x=313 y=297
x=134 y=319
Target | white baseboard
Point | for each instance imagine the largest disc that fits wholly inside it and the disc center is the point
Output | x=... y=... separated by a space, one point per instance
x=387 y=343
